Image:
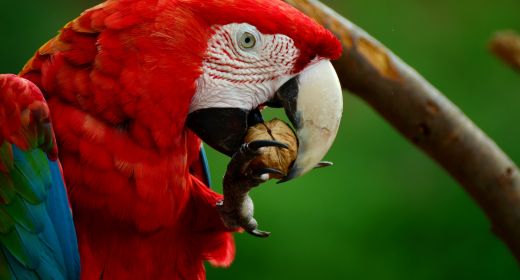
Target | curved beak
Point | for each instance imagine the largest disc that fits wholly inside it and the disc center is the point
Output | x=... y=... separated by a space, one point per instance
x=313 y=101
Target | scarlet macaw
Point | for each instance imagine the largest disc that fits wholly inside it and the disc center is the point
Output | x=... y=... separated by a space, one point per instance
x=133 y=86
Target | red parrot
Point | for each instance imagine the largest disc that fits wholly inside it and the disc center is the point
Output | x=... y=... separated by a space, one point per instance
x=133 y=86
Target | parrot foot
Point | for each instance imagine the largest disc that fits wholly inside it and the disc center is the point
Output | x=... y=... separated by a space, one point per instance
x=237 y=208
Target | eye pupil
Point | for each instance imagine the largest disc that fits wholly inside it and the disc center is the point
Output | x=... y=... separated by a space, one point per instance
x=247 y=41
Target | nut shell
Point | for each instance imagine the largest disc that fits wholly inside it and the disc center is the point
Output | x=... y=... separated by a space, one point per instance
x=273 y=157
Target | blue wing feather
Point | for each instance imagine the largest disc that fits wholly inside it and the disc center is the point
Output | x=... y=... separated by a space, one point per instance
x=43 y=228
x=61 y=216
x=205 y=164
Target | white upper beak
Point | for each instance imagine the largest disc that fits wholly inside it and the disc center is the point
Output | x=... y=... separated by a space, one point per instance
x=319 y=107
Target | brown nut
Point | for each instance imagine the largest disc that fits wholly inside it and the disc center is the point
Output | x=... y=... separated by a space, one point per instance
x=273 y=157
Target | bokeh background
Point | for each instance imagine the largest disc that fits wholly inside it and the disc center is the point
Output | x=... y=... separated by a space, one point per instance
x=385 y=210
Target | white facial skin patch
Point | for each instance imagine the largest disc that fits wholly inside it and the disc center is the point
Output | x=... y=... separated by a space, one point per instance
x=243 y=68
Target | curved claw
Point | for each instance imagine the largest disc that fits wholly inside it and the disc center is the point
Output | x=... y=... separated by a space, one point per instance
x=268 y=171
x=259 y=233
x=322 y=164
x=264 y=174
x=255 y=145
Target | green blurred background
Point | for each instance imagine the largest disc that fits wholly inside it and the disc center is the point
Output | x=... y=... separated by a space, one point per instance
x=385 y=210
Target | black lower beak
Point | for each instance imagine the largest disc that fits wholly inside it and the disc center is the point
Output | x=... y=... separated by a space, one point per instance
x=224 y=129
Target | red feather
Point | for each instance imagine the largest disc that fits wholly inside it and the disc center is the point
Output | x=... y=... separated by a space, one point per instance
x=119 y=81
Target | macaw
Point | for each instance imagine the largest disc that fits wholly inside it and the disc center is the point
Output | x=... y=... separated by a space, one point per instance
x=127 y=92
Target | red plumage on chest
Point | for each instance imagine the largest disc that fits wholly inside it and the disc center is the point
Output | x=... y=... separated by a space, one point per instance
x=119 y=120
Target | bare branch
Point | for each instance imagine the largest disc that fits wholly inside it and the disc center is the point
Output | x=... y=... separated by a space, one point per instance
x=428 y=119
x=506 y=46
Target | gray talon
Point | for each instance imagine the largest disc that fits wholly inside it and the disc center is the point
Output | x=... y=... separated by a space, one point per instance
x=255 y=145
x=259 y=233
x=323 y=164
x=268 y=171
x=237 y=209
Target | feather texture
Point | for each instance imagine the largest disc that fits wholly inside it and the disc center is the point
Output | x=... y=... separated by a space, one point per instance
x=37 y=236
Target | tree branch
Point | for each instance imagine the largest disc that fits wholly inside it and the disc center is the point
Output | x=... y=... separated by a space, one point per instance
x=506 y=46
x=428 y=119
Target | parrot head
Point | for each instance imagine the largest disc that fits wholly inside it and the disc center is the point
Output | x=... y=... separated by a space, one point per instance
x=266 y=53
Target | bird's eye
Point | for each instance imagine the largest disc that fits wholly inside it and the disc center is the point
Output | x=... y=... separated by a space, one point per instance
x=247 y=41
